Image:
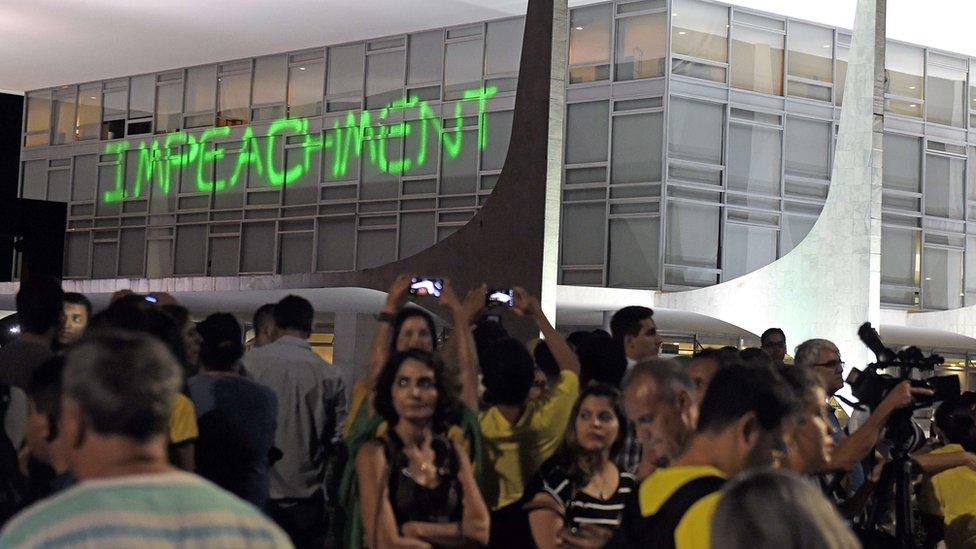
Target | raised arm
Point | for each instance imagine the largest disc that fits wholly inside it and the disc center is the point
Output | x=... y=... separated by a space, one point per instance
x=474 y=525
x=379 y=523
x=528 y=306
x=461 y=344
x=395 y=298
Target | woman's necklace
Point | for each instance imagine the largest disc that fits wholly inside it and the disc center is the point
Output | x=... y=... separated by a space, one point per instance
x=423 y=460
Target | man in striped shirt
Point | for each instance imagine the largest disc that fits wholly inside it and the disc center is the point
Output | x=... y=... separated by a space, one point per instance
x=118 y=395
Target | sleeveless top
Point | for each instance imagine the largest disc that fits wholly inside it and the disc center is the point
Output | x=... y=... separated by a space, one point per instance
x=414 y=502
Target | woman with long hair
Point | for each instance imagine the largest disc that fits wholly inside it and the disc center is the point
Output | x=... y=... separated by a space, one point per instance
x=416 y=485
x=580 y=494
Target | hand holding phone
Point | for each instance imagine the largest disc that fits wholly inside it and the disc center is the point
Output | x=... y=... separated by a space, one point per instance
x=504 y=297
x=422 y=285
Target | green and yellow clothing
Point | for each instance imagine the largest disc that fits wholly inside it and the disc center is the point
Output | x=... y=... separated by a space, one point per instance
x=513 y=453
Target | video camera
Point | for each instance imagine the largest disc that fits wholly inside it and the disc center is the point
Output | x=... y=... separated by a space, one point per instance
x=870 y=385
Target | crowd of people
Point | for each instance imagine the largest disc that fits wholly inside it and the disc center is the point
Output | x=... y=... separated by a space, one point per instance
x=140 y=424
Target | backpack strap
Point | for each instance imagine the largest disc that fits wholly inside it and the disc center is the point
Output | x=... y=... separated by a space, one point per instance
x=658 y=529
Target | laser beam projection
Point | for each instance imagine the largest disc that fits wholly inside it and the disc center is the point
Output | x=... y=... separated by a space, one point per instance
x=346 y=142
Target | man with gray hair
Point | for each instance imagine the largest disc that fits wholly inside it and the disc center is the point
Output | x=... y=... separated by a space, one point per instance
x=118 y=395
x=659 y=397
x=823 y=358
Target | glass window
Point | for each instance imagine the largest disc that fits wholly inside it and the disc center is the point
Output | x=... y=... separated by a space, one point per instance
x=946 y=101
x=459 y=168
x=898 y=249
x=114 y=102
x=503 y=46
x=418 y=231
x=76 y=254
x=201 y=89
x=384 y=78
x=234 y=99
x=972 y=91
x=257 y=248
x=345 y=69
x=970 y=281
x=641 y=46
x=426 y=57
x=843 y=53
x=695 y=130
x=905 y=66
x=294 y=253
x=422 y=156
x=132 y=252
x=38 y=119
x=589 y=43
x=942 y=278
x=64 y=117
x=754 y=161
x=270 y=79
x=700 y=30
x=587 y=131
x=141 y=92
x=795 y=229
x=169 y=107
x=462 y=68
x=634 y=256
x=636 y=156
x=810 y=52
x=377 y=181
x=376 y=248
x=334 y=237
x=105 y=257
x=34 y=180
x=944 y=186
x=808 y=147
x=902 y=163
x=305 y=89
x=499 y=132
x=747 y=248
x=58 y=183
x=225 y=254
x=84 y=177
x=692 y=237
x=191 y=250
x=757 y=60
x=588 y=220
x=89 y=112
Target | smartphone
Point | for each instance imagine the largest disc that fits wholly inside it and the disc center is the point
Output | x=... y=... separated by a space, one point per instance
x=504 y=297
x=426 y=286
x=150 y=298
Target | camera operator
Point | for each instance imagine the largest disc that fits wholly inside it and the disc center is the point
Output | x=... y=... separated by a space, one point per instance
x=823 y=358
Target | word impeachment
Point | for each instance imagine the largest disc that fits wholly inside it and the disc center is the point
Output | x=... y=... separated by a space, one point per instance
x=346 y=142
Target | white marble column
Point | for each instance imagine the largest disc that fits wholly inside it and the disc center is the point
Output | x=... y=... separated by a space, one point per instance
x=830 y=283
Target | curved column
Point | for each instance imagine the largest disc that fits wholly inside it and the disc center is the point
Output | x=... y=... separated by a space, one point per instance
x=830 y=283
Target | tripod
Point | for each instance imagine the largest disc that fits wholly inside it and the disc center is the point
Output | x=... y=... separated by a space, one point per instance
x=897 y=474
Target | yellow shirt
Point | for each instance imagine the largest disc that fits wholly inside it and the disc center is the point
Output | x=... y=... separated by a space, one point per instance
x=183 y=421
x=954 y=491
x=513 y=453
x=695 y=528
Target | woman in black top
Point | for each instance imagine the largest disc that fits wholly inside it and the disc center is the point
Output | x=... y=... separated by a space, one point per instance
x=579 y=493
x=417 y=487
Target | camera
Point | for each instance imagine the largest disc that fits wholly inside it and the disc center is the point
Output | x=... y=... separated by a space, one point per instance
x=870 y=385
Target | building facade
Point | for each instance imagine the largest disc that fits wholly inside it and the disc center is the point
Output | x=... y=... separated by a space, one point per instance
x=698 y=148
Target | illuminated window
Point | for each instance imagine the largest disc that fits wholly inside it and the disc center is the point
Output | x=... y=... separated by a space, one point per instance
x=64 y=116
x=141 y=92
x=945 y=82
x=305 y=81
x=589 y=43
x=641 y=46
x=269 y=87
x=757 y=60
x=234 y=95
x=200 y=94
x=810 y=60
x=843 y=53
x=904 y=85
x=169 y=105
x=38 y=119
x=89 y=113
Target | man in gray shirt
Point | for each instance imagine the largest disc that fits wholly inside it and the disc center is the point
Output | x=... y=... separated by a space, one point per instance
x=311 y=409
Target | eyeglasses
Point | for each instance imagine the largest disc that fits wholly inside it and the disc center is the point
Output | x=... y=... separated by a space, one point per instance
x=831 y=364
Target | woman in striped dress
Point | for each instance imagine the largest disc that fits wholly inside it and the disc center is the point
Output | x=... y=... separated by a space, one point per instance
x=580 y=494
